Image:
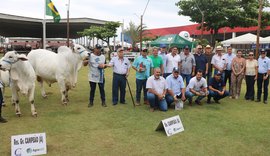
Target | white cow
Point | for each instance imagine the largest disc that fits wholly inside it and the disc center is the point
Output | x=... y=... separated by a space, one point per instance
x=22 y=78
x=61 y=67
x=4 y=78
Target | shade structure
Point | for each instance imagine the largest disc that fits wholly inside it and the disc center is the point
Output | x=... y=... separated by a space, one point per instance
x=171 y=40
x=243 y=39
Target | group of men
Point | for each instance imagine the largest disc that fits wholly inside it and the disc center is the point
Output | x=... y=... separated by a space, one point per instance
x=169 y=70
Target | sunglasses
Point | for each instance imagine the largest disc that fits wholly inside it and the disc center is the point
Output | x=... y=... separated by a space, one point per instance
x=250 y=55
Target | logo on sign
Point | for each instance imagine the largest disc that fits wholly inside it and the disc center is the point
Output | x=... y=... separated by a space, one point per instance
x=17 y=152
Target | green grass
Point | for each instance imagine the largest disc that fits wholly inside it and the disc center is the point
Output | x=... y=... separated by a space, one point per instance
x=235 y=127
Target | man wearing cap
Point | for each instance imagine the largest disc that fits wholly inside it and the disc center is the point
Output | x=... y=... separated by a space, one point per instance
x=163 y=54
x=176 y=87
x=201 y=61
x=197 y=87
x=219 y=61
x=187 y=64
x=157 y=88
x=173 y=60
x=209 y=55
x=121 y=66
x=143 y=66
x=228 y=70
x=157 y=60
x=96 y=64
x=263 y=76
x=217 y=89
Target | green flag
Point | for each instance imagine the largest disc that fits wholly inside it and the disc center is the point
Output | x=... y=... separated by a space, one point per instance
x=52 y=11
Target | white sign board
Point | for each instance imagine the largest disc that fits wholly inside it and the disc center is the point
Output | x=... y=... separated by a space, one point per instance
x=171 y=125
x=28 y=144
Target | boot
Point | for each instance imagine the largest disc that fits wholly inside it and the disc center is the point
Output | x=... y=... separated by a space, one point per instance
x=104 y=104
x=2 y=120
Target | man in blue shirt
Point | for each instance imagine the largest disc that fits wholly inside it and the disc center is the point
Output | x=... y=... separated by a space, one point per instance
x=176 y=87
x=263 y=76
x=217 y=89
x=228 y=70
x=201 y=61
x=163 y=54
x=143 y=66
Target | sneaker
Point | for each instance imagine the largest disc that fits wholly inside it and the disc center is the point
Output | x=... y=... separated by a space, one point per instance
x=198 y=102
x=258 y=100
x=90 y=104
x=2 y=120
x=209 y=101
x=104 y=104
x=216 y=101
x=265 y=102
x=146 y=102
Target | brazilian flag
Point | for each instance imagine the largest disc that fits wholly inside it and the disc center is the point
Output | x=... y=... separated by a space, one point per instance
x=52 y=11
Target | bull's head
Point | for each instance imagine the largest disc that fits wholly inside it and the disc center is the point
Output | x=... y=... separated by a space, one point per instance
x=79 y=49
x=10 y=58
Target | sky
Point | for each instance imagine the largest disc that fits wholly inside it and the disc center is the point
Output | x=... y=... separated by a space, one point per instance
x=159 y=13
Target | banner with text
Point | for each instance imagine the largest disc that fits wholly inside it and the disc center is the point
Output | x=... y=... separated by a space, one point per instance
x=28 y=144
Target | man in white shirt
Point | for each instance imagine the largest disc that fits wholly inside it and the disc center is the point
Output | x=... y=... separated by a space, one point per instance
x=96 y=64
x=121 y=66
x=173 y=60
x=219 y=62
x=157 y=88
x=197 y=87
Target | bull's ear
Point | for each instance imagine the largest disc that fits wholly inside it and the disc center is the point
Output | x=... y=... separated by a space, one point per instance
x=22 y=57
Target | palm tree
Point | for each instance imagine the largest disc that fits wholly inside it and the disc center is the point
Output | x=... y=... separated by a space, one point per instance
x=133 y=31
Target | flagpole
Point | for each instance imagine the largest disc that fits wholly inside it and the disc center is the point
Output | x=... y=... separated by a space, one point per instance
x=44 y=26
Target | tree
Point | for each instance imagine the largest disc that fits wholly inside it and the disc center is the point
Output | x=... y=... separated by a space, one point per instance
x=223 y=13
x=103 y=33
x=133 y=31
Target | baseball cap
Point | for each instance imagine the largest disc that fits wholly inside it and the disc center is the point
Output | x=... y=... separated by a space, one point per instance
x=218 y=73
x=263 y=51
x=175 y=69
x=163 y=46
x=120 y=49
x=98 y=46
x=186 y=47
x=145 y=50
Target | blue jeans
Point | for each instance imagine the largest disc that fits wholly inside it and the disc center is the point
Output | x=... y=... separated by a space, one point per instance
x=216 y=96
x=155 y=102
x=169 y=99
x=187 y=77
x=119 y=83
x=189 y=96
x=141 y=84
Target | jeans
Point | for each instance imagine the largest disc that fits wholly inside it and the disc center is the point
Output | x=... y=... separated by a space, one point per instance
x=228 y=77
x=187 y=77
x=93 y=90
x=119 y=82
x=265 y=83
x=155 y=102
x=189 y=96
x=250 y=87
x=216 y=96
x=141 y=84
x=208 y=77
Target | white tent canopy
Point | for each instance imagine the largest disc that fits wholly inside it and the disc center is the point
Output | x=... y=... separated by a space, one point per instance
x=243 y=39
x=265 y=40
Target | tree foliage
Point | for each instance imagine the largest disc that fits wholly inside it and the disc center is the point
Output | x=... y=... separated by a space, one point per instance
x=133 y=31
x=223 y=13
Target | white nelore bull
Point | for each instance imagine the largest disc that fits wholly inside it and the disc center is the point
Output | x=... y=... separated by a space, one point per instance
x=22 y=78
x=61 y=67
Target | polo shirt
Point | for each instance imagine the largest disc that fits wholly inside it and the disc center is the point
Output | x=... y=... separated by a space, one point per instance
x=250 y=67
x=157 y=85
x=157 y=61
x=172 y=61
x=120 y=66
x=197 y=85
x=164 y=58
x=175 y=84
x=219 y=61
x=217 y=84
x=147 y=63
x=187 y=62
x=264 y=65
x=229 y=58
x=201 y=62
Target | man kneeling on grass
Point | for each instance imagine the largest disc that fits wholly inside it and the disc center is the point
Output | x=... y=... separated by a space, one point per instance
x=197 y=87
x=217 y=89
x=157 y=88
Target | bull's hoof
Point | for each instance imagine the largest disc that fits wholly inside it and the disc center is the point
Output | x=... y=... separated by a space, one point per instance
x=4 y=104
x=45 y=96
x=34 y=114
x=18 y=114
